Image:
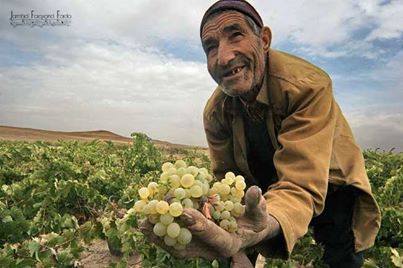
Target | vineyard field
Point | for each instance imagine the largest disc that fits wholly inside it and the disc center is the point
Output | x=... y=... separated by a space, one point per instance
x=58 y=199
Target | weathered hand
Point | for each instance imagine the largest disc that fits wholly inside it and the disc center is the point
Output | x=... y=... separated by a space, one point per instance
x=253 y=227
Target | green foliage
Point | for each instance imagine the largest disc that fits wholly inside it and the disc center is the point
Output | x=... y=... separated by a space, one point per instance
x=56 y=198
x=385 y=170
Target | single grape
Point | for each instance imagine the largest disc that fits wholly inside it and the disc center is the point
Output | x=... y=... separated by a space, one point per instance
x=160 y=229
x=187 y=203
x=228 y=205
x=225 y=189
x=205 y=188
x=197 y=182
x=193 y=170
x=239 y=193
x=166 y=219
x=240 y=185
x=184 y=237
x=239 y=178
x=229 y=181
x=147 y=209
x=152 y=188
x=225 y=215
x=175 y=209
x=164 y=177
x=187 y=180
x=238 y=208
x=196 y=191
x=180 y=164
x=203 y=170
x=219 y=206
x=173 y=230
x=169 y=241
x=162 y=191
x=171 y=171
x=180 y=193
x=201 y=177
x=181 y=171
x=230 y=175
x=174 y=181
x=188 y=193
x=235 y=199
x=162 y=207
x=209 y=178
x=216 y=215
x=213 y=191
x=150 y=207
x=166 y=166
x=144 y=193
x=139 y=205
x=224 y=224
x=232 y=226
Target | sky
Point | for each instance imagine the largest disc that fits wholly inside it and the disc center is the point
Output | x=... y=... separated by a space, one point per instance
x=138 y=66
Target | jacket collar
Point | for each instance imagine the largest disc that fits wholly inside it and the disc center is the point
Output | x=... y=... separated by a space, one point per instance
x=262 y=96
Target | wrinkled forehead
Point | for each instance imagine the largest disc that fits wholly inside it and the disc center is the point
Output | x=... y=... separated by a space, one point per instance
x=218 y=22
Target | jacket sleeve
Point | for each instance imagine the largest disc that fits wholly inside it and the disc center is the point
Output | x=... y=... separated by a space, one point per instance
x=220 y=143
x=302 y=161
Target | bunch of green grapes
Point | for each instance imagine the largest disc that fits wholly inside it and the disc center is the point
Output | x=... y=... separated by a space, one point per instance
x=181 y=186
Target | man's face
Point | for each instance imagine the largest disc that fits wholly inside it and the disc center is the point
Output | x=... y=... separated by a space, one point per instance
x=235 y=54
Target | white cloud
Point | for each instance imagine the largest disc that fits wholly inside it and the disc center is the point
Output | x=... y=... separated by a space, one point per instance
x=318 y=26
x=389 y=21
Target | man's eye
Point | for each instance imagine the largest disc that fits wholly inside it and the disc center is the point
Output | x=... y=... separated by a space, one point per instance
x=210 y=48
x=236 y=35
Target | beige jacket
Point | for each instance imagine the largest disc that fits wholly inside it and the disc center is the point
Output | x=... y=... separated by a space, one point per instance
x=314 y=146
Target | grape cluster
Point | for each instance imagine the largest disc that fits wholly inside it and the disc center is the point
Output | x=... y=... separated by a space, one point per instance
x=181 y=186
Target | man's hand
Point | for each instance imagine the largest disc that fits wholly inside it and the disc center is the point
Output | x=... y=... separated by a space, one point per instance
x=254 y=226
x=210 y=241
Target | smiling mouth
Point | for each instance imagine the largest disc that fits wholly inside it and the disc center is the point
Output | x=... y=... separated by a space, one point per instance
x=233 y=71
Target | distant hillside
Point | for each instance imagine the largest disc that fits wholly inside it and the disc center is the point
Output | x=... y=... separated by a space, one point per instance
x=30 y=134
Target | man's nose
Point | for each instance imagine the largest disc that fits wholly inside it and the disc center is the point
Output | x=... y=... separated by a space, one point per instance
x=225 y=54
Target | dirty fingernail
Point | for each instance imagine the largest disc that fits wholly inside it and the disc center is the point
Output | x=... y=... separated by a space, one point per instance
x=187 y=219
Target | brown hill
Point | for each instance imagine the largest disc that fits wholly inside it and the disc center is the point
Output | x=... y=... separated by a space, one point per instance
x=31 y=134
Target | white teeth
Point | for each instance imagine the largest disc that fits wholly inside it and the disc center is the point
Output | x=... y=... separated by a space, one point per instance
x=236 y=70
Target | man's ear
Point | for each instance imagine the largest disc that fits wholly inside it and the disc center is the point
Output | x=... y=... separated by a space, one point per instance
x=266 y=37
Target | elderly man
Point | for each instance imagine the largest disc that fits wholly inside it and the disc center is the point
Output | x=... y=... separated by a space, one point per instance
x=273 y=119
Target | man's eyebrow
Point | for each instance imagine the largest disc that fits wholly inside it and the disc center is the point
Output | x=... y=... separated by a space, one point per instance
x=233 y=27
x=208 y=41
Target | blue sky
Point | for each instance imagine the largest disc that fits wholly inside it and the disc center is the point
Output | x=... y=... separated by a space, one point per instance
x=138 y=65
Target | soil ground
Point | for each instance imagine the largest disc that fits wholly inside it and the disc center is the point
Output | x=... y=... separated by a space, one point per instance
x=97 y=255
